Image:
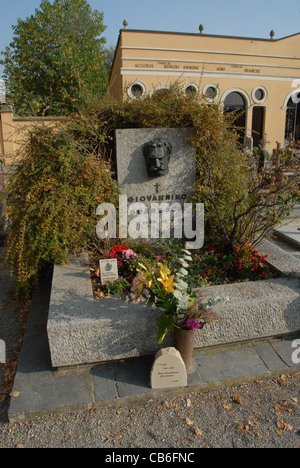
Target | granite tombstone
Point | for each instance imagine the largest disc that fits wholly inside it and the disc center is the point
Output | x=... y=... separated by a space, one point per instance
x=155 y=165
x=156 y=169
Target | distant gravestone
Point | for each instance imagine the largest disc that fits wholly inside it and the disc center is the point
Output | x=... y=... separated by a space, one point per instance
x=2 y=352
x=248 y=143
x=168 y=370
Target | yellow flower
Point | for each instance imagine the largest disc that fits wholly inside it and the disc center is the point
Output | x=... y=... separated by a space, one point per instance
x=168 y=283
x=164 y=270
x=166 y=280
x=144 y=280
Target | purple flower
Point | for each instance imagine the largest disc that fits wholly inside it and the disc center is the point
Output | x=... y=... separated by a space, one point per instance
x=193 y=323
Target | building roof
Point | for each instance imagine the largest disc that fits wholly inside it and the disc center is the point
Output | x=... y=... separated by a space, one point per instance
x=208 y=35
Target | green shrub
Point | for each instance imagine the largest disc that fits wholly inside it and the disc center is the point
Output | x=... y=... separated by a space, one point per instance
x=52 y=199
x=65 y=173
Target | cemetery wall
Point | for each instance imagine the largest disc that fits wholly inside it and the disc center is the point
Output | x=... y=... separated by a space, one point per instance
x=14 y=131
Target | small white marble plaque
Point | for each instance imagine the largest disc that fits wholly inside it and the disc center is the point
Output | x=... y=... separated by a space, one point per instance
x=2 y=352
x=168 y=370
x=108 y=270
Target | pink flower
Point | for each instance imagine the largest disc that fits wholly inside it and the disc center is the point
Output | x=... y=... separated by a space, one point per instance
x=193 y=324
x=137 y=300
x=160 y=257
x=135 y=284
x=129 y=254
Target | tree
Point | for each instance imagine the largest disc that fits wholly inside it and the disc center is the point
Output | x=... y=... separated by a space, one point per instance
x=109 y=57
x=55 y=57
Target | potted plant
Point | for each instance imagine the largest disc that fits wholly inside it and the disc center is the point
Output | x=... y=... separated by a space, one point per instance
x=182 y=309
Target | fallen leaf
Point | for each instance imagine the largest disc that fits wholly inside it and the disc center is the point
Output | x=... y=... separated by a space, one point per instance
x=227 y=407
x=14 y=394
x=197 y=432
x=174 y=405
x=189 y=422
x=237 y=399
x=284 y=426
x=284 y=403
x=281 y=424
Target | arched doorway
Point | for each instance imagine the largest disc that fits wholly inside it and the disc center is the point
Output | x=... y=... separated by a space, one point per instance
x=292 y=124
x=235 y=102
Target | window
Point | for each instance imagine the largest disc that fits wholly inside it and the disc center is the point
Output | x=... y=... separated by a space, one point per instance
x=136 y=90
x=258 y=121
x=211 y=92
x=236 y=103
x=191 y=90
x=292 y=125
x=160 y=90
x=259 y=94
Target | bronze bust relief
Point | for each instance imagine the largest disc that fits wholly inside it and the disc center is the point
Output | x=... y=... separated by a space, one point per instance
x=157 y=154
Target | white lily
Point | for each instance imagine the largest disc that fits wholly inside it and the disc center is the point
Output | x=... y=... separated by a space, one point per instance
x=183 y=272
x=181 y=285
x=188 y=259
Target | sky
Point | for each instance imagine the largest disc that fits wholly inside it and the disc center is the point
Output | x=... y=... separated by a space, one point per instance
x=254 y=18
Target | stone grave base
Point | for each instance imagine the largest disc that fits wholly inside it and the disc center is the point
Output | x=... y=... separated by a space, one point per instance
x=82 y=330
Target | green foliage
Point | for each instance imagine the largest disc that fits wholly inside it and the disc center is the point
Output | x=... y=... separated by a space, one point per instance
x=56 y=55
x=64 y=174
x=242 y=202
x=119 y=286
x=52 y=201
x=211 y=268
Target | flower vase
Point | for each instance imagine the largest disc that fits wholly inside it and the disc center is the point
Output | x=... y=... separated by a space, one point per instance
x=185 y=340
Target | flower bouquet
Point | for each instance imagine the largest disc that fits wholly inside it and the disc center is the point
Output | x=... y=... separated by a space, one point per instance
x=181 y=307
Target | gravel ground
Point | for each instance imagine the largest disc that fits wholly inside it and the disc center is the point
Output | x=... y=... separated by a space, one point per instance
x=261 y=414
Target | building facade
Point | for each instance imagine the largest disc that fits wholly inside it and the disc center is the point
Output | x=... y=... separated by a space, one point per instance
x=260 y=77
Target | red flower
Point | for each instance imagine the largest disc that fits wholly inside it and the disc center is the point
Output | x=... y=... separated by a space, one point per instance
x=118 y=249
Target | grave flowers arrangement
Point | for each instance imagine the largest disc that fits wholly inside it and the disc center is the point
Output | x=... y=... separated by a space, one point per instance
x=125 y=258
x=170 y=291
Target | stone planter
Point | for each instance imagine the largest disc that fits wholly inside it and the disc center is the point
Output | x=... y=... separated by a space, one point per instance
x=82 y=330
